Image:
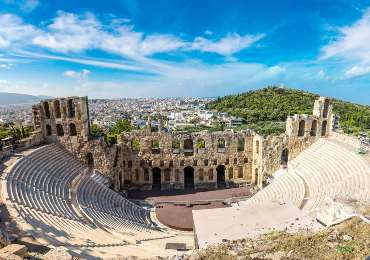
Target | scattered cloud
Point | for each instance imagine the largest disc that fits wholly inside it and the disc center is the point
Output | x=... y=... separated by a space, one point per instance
x=353 y=42
x=270 y=74
x=355 y=72
x=26 y=6
x=46 y=85
x=231 y=44
x=84 y=84
x=321 y=76
x=208 y=32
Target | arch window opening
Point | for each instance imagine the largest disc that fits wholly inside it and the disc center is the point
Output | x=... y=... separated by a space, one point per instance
x=231 y=173
x=57 y=109
x=200 y=174
x=241 y=144
x=155 y=146
x=60 y=131
x=221 y=176
x=189 y=177
x=256 y=175
x=72 y=129
x=175 y=144
x=210 y=174
x=257 y=147
x=135 y=146
x=221 y=143
x=167 y=173
x=47 y=110
x=146 y=174
x=89 y=159
x=48 y=130
x=323 y=128
x=326 y=108
x=314 y=128
x=201 y=143
x=137 y=176
x=240 y=172
x=70 y=108
x=156 y=178
x=284 y=157
x=188 y=147
x=301 y=129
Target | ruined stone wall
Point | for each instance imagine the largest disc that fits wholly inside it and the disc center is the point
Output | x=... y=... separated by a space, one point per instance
x=127 y=167
x=345 y=138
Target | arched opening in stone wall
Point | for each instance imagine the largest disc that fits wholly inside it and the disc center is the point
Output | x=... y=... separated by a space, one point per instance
x=47 y=110
x=323 y=128
x=48 y=130
x=177 y=175
x=156 y=178
x=221 y=176
x=210 y=174
x=301 y=129
x=235 y=160
x=284 y=156
x=256 y=175
x=60 y=131
x=240 y=172
x=146 y=174
x=175 y=144
x=188 y=144
x=56 y=109
x=314 y=128
x=200 y=174
x=155 y=146
x=137 y=176
x=241 y=144
x=189 y=177
x=201 y=143
x=70 y=108
x=231 y=173
x=257 y=147
x=135 y=146
x=221 y=143
x=167 y=174
x=72 y=129
x=89 y=159
x=326 y=108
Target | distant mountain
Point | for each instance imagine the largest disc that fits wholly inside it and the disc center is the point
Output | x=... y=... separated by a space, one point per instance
x=45 y=97
x=16 y=99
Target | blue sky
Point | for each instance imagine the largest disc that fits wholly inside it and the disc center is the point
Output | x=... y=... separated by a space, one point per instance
x=128 y=48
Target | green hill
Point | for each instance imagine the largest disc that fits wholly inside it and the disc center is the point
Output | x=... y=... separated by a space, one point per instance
x=275 y=104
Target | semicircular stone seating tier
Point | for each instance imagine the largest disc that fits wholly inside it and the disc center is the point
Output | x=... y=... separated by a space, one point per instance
x=36 y=191
x=113 y=213
x=328 y=168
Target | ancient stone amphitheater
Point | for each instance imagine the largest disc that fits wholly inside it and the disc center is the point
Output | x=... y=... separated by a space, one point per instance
x=59 y=190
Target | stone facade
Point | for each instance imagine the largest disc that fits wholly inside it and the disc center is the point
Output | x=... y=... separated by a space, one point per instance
x=175 y=160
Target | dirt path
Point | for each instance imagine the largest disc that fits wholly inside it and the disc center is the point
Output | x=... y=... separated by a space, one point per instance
x=7 y=222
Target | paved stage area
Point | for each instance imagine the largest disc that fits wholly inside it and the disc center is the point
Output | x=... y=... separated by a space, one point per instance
x=189 y=194
x=179 y=215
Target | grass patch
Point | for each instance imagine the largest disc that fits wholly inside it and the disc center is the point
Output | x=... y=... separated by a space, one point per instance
x=344 y=249
x=280 y=232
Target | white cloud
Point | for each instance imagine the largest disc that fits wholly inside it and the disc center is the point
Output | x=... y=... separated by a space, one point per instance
x=270 y=74
x=84 y=84
x=46 y=85
x=1 y=55
x=355 y=72
x=231 y=44
x=353 y=42
x=208 y=32
x=321 y=76
x=3 y=66
x=25 y=5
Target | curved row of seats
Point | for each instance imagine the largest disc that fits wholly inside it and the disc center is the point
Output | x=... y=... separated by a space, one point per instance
x=113 y=212
x=332 y=169
x=288 y=185
x=328 y=168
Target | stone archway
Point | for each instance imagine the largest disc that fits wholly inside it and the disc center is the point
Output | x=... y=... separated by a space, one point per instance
x=157 y=116
x=157 y=181
x=189 y=177
x=89 y=159
x=221 y=176
x=284 y=156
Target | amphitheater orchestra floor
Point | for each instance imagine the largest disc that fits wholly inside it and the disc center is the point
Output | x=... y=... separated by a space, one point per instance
x=189 y=194
x=179 y=215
